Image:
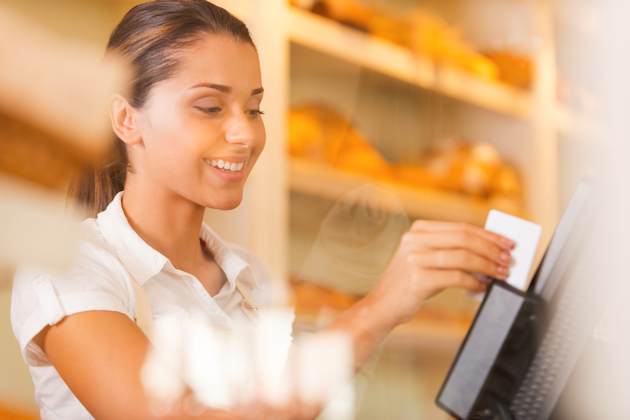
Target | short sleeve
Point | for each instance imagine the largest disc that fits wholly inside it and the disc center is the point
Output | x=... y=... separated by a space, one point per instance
x=42 y=298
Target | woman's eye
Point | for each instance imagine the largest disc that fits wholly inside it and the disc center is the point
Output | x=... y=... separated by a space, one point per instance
x=255 y=112
x=214 y=110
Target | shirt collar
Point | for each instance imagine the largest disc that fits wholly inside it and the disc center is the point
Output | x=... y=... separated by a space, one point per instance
x=232 y=265
x=144 y=262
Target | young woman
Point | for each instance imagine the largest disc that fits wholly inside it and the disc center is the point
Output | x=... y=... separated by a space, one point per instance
x=187 y=136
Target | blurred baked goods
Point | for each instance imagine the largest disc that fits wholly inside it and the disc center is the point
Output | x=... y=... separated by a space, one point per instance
x=460 y=166
x=514 y=68
x=319 y=133
x=350 y=12
x=305 y=135
x=426 y=34
x=390 y=29
x=431 y=35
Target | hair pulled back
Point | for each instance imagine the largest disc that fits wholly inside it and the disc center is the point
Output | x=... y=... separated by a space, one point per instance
x=150 y=37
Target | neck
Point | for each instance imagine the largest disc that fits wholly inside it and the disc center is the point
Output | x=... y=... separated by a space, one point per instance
x=166 y=221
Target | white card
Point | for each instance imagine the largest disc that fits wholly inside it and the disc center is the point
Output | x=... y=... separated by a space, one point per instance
x=525 y=235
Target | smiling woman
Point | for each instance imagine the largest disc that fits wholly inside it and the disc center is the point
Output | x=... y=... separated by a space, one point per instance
x=219 y=56
x=187 y=137
x=209 y=112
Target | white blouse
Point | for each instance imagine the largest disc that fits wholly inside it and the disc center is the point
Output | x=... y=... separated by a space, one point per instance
x=99 y=281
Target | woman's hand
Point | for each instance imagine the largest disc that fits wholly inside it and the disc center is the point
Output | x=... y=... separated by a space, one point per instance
x=433 y=256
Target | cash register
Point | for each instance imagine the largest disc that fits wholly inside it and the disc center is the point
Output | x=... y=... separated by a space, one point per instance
x=523 y=345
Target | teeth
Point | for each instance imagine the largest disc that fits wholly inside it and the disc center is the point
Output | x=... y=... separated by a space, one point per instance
x=225 y=166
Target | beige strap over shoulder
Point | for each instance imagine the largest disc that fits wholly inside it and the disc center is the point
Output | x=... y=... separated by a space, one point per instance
x=144 y=317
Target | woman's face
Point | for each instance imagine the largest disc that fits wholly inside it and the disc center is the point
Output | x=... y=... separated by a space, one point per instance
x=202 y=130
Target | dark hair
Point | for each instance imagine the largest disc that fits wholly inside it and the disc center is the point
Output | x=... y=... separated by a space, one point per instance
x=149 y=38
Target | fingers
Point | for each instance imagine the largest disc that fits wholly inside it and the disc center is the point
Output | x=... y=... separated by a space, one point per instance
x=457 y=278
x=436 y=280
x=459 y=259
x=457 y=239
x=437 y=226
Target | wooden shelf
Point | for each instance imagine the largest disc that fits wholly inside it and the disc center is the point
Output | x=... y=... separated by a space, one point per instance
x=372 y=53
x=315 y=179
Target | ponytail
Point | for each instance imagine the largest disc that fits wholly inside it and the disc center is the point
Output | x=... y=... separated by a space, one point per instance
x=95 y=186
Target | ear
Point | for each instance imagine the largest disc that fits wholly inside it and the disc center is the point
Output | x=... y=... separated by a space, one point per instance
x=124 y=120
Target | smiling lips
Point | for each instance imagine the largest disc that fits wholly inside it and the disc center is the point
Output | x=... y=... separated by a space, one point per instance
x=225 y=166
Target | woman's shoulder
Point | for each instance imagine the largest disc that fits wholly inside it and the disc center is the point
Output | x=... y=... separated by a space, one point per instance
x=94 y=281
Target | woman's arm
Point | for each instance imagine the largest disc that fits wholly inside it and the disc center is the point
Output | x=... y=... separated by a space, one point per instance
x=99 y=355
x=431 y=257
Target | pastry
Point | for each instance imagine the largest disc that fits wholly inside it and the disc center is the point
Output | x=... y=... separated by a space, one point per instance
x=514 y=68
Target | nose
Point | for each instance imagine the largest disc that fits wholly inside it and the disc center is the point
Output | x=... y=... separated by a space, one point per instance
x=242 y=130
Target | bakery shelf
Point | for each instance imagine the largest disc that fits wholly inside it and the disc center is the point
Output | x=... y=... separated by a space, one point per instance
x=333 y=38
x=323 y=181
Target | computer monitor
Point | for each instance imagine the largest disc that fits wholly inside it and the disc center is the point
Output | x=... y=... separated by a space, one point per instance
x=522 y=346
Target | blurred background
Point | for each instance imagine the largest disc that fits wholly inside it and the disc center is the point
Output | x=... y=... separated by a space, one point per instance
x=454 y=106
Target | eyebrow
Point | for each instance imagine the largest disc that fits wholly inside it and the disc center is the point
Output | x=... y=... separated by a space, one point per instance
x=224 y=88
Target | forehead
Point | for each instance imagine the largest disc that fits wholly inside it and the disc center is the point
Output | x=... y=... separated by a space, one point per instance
x=221 y=59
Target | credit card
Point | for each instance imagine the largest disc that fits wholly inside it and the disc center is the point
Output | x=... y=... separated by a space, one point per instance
x=525 y=235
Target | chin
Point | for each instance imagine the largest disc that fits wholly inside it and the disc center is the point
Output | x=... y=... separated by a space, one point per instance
x=227 y=202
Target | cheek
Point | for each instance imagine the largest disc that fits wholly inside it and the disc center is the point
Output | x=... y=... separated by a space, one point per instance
x=173 y=141
x=258 y=148
x=261 y=134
